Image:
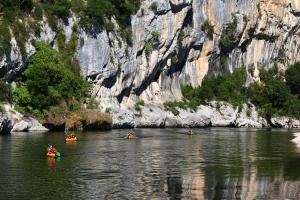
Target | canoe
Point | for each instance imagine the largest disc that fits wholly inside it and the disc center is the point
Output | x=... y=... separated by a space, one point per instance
x=53 y=155
x=71 y=139
x=130 y=137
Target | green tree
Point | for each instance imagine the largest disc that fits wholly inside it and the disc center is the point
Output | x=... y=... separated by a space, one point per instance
x=48 y=81
x=292 y=76
x=5 y=92
x=23 y=96
x=292 y=107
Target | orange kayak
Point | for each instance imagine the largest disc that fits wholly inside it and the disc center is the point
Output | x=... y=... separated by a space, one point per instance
x=71 y=139
x=130 y=137
x=52 y=155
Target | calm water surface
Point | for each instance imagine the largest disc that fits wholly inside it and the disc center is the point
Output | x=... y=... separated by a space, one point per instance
x=215 y=163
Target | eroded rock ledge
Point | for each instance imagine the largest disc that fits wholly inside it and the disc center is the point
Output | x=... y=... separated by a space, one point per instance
x=13 y=121
x=216 y=114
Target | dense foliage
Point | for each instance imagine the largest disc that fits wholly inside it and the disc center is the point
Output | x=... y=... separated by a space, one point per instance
x=292 y=76
x=49 y=82
x=5 y=92
x=272 y=96
x=97 y=11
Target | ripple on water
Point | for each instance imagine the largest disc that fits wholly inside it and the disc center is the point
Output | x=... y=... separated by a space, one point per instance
x=215 y=163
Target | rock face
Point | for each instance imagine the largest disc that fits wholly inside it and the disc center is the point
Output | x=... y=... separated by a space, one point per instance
x=266 y=32
x=153 y=67
x=215 y=114
x=170 y=47
x=28 y=124
x=12 y=121
x=285 y=122
x=5 y=125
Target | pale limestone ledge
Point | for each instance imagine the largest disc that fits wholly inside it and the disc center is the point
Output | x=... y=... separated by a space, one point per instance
x=17 y=122
x=216 y=114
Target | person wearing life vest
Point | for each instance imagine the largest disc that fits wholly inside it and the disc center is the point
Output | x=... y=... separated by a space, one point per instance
x=71 y=136
x=129 y=134
x=51 y=149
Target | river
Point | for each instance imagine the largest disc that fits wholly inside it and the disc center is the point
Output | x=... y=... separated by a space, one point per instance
x=214 y=163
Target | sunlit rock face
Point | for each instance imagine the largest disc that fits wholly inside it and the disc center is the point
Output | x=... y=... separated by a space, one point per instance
x=170 y=47
x=182 y=53
x=217 y=114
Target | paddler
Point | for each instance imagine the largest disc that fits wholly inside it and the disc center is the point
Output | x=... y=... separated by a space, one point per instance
x=51 y=150
x=129 y=134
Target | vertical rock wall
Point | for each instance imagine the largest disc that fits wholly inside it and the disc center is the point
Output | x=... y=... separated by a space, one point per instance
x=170 y=47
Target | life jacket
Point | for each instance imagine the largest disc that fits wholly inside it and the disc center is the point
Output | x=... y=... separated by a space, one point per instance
x=51 y=150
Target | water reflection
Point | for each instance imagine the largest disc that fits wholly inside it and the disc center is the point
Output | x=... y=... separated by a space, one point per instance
x=215 y=163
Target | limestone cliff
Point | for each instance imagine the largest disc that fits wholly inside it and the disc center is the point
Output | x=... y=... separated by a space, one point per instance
x=170 y=47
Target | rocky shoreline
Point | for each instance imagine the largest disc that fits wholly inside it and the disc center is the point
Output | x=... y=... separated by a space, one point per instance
x=215 y=114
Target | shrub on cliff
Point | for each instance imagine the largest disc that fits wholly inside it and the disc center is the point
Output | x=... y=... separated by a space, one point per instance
x=208 y=29
x=138 y=105
x=154 y=6
x=97 y=11
x=228 y=36
x=48 y=81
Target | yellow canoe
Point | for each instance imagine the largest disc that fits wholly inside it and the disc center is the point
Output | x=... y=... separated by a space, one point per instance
x=71 y=139
x=130 y=137
x=52 y=155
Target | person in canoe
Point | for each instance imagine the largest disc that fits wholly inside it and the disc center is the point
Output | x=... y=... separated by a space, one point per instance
x=51 y=150
x=129 y=135
x=71 y=137
x=190 y=132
